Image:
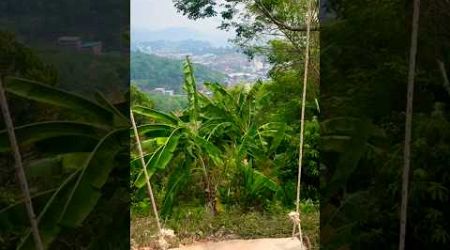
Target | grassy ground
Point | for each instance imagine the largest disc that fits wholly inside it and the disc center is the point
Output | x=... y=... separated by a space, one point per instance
x=194 y=224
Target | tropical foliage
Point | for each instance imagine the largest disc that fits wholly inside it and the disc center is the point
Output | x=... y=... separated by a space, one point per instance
x=80 y=174
x=237 y=150
x=363 y=95
x=218 y=152
x=168 y=103
x=75 y=152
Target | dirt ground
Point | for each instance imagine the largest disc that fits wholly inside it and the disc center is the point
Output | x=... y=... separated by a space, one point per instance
x=258 y=244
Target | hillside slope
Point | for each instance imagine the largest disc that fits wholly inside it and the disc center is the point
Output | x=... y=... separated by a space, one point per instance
x=150 y=71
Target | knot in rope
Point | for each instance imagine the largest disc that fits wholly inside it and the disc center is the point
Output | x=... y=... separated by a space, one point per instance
x=162 y=243
x=165 y=233
x=295 y=217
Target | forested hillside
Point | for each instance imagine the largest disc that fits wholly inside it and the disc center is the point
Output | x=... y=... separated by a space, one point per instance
x=93 y=20
x=85 y=73
x=150 y=71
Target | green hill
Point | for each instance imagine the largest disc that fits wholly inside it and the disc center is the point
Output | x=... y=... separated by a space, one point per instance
x=150 y=71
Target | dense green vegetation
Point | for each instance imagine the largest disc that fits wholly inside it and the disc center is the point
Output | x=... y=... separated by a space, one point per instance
x=224 y=152
x=363 y=97
x=235 y=154
x=139 y=98
x=73 y=175
x=150 y=71
x=75 y=151
x=168 y=103
x=225 y=166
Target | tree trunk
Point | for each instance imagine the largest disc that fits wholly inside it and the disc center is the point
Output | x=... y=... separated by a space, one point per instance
x=210 y=193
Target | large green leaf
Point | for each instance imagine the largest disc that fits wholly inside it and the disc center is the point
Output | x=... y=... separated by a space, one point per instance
x=49 y=216
x=160 y=158
x=156 y=115
x=77 y=197
x=206 y=128
x=190 y=86
x=276 y=131
x=175 y=184
x=217 y=89
x=43 y=93
x=67 y=144
x=119 y=118
x=256 y=182
x=58 y=164
x=14 y=217
x=93 y=177
x=245 y=143
x=155 y=130
x=35 y=132
x=349 y=160
x=209 y=149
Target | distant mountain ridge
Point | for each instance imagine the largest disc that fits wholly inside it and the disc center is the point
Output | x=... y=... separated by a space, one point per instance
x=173 y=34
x=189 y=46
x=170 y=34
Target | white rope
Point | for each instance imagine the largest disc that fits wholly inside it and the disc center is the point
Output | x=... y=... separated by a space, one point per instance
x=295 y=216
x=20 y=169
x=161 y=242
x=409 y=113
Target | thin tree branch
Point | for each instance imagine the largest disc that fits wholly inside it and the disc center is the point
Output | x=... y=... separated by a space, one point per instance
x=20 y=172
x=283 y=25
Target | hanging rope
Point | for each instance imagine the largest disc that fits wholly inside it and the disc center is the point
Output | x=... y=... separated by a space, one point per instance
x=295 y=216
x=162 y=242
x=409 y=113
x=19 y=168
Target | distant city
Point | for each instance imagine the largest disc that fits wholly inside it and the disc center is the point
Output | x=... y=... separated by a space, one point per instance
x=236 y=66
x=169 y=92
x=76 y=43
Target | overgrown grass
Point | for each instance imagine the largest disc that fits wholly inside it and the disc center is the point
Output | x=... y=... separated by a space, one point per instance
x=195 y=224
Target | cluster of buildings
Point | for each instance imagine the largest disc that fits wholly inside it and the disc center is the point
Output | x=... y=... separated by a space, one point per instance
x=164 y=91
x=171 y=92
x=236 y=66
x=76 y=43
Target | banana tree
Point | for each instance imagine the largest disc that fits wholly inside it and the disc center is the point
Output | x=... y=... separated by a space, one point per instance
x=179 y=137
x=232 y=115
x=202 y=134
x=81 y=153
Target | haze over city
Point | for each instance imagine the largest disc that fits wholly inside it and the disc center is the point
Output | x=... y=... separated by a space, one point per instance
x=158 y=30
x=160 y=19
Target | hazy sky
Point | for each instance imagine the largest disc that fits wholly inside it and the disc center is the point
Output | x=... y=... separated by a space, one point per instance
x=161 y=14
